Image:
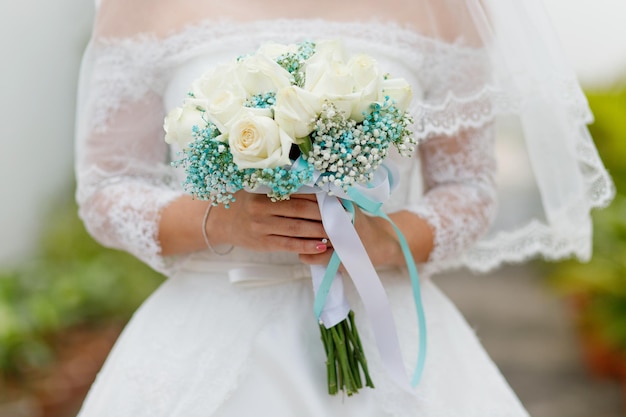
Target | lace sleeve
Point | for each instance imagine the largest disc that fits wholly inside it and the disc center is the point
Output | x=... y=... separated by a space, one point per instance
x=123 y=176
x=455 y=123
x=460 y=195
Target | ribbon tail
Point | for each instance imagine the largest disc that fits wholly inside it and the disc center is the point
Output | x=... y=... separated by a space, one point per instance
x=417 y=296
x=348 y=246
x=375 y=208
x=330 y=306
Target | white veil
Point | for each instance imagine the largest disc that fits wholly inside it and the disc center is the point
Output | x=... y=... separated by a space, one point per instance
x=510 y=69
x=540 y=96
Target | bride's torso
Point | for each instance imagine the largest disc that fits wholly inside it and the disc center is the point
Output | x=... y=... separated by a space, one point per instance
x=165 y=49
x=428 y=17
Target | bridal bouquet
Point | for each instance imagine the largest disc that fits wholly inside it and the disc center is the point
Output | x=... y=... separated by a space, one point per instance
x=289 y=117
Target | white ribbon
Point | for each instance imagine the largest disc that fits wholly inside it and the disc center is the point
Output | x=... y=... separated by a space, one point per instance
x=267 y=275
x=347 y=244
x=336 y=308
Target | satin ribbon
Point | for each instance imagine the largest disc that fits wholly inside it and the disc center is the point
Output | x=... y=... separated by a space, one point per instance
x=337 y=216
x=267 y=275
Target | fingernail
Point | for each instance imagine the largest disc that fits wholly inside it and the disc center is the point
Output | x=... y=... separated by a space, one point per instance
x=321 y=247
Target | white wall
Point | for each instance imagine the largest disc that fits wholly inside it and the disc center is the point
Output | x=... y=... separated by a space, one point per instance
x=41 y=43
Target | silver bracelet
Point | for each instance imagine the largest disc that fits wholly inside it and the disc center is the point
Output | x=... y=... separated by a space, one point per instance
x=206 y=238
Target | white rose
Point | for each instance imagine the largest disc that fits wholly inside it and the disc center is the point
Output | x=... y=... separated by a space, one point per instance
x=224 y=106
x=332 y=81
x=345 y=103
x=295 y=111
x=259 y=74
x=365 y=71
x=257 y=111
x=398 y=90
x=329 y=50
x=258 y=142
x=218 y=78
x=335 y=78
x=329 y=57
x=225 y=97
x=179 y=123
x=367 y=79
x=328 y=78
x=274 y=50
x=351 y=87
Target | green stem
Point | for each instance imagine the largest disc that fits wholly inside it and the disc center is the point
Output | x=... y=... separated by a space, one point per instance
x=331 y=369
x=353 y=352
x=361 y=355
x=342 y=355
x=345 y=358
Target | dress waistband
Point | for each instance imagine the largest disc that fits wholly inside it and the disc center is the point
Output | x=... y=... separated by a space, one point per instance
x=251 y=274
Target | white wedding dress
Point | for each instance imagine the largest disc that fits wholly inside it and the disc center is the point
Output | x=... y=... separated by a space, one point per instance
x=201 y=346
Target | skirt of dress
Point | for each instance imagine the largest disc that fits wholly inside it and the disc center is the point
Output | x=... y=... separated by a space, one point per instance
x=201 y=346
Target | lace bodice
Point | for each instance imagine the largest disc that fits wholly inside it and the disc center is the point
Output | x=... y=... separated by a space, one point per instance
x=125 y=179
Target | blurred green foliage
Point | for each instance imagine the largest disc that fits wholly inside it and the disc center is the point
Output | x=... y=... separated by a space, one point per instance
x=609 y=131
x=72 y=281
x=601 y=283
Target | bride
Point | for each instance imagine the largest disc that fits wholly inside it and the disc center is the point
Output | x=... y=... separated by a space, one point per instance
x=203 y=346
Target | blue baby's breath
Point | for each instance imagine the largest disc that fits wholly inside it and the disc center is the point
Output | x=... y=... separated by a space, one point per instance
x=261 y=101
x=294 y=62
x=211 y=173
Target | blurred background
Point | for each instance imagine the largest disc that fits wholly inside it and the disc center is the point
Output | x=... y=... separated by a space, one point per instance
x=558 y=332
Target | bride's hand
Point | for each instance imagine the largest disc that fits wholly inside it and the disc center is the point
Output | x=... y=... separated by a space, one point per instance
x=381 y=242
x=377 y=237
x=254 y=222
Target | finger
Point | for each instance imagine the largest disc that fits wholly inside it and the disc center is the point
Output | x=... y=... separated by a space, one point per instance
x=316 y=258
x=289 y=227
x=295 y=245
x=311 y=197
x=301 y=208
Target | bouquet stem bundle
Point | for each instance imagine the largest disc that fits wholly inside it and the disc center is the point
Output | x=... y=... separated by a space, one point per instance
x=345 y=359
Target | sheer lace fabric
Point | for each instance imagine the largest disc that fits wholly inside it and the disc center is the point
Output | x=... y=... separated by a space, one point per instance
x=471 y=60
x=122 y=148
x=460 y=198
x=458 y=91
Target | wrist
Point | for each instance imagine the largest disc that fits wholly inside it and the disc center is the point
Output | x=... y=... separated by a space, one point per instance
x=418 y=234
x=384 y=248
x=391 y=250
